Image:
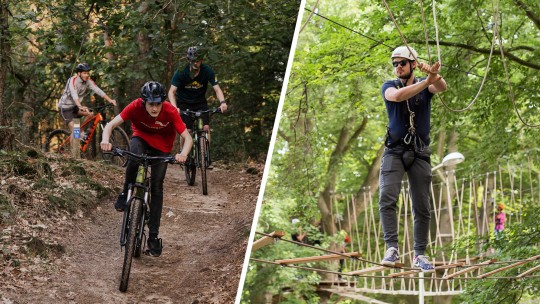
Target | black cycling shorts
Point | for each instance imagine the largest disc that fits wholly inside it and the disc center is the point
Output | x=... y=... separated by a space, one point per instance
x=194 y=107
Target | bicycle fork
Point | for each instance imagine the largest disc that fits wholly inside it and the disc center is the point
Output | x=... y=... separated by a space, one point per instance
x=197 y=142
x=127 y=212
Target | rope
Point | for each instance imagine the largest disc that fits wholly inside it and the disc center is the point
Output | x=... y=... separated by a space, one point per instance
x=310 y=16
x=329 y=251
x=510 y=87
x=392 y=47
x=436 y=32
x=371 y=262
x=350 y=29
x=425 y=33
x=439 y=50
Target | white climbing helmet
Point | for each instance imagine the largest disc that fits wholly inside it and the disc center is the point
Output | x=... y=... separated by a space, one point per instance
x=403 y=52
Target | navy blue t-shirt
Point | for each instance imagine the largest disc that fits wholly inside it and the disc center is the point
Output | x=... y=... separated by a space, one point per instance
x=193 y=90
x=398 y=114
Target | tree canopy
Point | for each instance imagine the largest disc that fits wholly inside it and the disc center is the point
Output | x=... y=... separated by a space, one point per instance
x=130 y=42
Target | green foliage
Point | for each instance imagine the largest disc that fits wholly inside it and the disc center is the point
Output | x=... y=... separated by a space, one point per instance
x=128 y=43
x=519 y=241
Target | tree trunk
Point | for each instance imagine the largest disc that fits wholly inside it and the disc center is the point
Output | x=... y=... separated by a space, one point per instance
x=342 y=146
x=6 y=134
x=370 y=184
x=112 y=58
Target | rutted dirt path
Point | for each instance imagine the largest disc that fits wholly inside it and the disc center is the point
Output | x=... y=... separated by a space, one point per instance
x=204 y=241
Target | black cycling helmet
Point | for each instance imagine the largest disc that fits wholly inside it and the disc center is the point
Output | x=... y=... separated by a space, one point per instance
x=195 y=53
x=83 y=67
x=153 y=92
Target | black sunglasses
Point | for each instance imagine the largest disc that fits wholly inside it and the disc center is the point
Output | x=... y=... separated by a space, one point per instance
x=401 y=63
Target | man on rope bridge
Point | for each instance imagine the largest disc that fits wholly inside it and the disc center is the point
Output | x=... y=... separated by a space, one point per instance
x=408 y=105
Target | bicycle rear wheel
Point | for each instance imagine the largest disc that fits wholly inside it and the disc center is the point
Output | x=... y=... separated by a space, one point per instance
x=133 y=225
x=118 y=139
x=57 y=142
x=190 y=169
x=203 y=145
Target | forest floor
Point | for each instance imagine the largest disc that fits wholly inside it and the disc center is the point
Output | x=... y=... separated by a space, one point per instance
x=60 y=240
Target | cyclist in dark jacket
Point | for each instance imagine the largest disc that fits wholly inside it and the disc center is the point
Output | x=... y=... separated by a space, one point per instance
x=154 y=124
x=188 y=87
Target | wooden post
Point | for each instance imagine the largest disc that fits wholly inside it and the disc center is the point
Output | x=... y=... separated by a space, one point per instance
x=266 y=240
x=76 y=138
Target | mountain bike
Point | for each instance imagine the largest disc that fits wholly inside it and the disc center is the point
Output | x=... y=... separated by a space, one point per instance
x=59 y=140
x=137 y=209
x=200 y=156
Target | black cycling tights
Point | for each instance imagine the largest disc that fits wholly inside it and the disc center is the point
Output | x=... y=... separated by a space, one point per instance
x=139 y=146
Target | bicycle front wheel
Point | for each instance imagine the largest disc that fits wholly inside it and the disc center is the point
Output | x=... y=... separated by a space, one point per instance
x=190 y=168
x=118 y=139
x=133 y=225
x=203 y=146
x=58 y=142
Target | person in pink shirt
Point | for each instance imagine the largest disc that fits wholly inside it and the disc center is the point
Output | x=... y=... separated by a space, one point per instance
x=500 y=218
x=154 y=123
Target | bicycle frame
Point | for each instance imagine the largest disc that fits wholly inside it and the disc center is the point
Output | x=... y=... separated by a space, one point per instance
x=139 y=190
x=136 y=210
x=96 y=120
x=199 y=133
x=200 y=155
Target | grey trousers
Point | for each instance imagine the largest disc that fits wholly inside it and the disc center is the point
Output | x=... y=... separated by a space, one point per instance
x=419 y=176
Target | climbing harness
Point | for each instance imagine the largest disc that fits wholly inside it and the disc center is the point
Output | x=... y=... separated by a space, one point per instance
x=411 y=145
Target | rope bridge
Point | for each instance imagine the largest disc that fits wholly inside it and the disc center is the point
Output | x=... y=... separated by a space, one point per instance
x=461 y=210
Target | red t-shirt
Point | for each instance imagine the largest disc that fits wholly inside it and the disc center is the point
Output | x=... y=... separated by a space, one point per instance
x=159 y=132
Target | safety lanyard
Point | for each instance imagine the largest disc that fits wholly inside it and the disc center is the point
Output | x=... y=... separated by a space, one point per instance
x=411 y=137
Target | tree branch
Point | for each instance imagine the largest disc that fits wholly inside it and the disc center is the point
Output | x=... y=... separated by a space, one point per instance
x=530 y=13
x=508 y=55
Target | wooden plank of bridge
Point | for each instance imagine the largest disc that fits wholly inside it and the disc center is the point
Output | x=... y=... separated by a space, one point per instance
x=466 y=270
x=403 y=273
x=266 y=240
x=326 y=257
x=449 y=266
x=487 y=274
x=374 y=269
x=354 y=295
x=526 y=273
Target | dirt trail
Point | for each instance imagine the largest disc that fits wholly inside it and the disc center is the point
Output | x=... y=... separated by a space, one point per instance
x=204 y=241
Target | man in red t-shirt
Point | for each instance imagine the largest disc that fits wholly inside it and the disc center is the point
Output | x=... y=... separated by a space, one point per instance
x=154 y=124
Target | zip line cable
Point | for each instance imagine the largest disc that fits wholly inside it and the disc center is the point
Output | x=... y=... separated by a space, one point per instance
x=448 y=67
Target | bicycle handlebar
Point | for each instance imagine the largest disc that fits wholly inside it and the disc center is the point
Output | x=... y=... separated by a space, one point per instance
x=140 y=158
x=199 y=113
